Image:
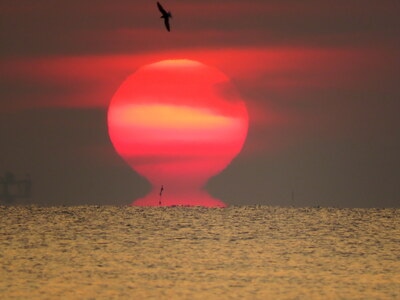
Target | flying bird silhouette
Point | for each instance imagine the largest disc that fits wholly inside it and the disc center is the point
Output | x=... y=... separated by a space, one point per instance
x=165 y=15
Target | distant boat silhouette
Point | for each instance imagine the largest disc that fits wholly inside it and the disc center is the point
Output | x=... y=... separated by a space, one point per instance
x=165 y=15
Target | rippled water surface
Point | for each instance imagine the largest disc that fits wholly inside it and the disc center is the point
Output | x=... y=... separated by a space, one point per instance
x=197 y=253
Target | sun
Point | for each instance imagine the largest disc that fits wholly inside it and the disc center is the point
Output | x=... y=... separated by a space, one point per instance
x=177 y=123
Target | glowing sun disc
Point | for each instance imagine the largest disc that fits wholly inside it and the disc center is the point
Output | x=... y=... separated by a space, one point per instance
x=177 y=123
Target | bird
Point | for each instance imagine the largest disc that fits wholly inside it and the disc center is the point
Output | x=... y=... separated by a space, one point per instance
x=165 y=15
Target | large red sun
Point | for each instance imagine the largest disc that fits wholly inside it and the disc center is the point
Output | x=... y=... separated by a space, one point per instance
x=177 y=123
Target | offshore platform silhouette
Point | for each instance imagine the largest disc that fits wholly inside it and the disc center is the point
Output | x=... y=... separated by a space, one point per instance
x=12 y=188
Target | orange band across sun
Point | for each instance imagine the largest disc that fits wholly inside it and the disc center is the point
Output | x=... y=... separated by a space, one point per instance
x=168 y=116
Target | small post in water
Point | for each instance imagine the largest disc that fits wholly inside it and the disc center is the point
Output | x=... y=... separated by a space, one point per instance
x=161 y=190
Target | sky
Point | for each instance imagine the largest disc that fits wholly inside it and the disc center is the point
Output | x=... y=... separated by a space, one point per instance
x=320 y=80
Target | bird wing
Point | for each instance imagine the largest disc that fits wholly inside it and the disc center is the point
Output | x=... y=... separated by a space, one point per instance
x=166 y=22
x=162 y=10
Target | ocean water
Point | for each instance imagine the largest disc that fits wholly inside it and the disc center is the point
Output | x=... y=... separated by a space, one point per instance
x=249 y=252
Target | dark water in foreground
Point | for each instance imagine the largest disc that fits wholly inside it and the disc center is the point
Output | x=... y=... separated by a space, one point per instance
x=196 y=253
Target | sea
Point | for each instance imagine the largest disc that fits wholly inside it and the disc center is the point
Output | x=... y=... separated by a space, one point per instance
x=239 y=252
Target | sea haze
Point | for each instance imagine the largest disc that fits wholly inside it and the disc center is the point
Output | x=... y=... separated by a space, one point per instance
x=248 y=252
